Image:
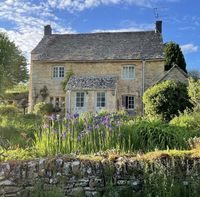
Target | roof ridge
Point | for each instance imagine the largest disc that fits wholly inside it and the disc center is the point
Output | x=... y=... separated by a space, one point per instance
x=103 y=32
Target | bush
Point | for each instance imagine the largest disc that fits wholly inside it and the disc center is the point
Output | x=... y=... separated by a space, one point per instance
x=6 y=110
x=147 y=136
x=166 y=99
x=194 y=92
x=43 y=108
x=19 y=128
x=188 y=120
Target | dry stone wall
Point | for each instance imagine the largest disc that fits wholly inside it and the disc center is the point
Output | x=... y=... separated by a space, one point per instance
x=82 y=177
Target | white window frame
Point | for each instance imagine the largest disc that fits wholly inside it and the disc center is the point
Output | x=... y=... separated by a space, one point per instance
x=80 y=101
x=128 y=108
x=133 y=102
x=127 y=74
x=58 y=72
x=100 y=101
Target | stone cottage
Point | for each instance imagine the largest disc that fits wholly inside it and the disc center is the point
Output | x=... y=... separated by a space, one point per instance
x=111 y=71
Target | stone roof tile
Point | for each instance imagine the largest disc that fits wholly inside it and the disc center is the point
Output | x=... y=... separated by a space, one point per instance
x=91 y=83
x=100 y=46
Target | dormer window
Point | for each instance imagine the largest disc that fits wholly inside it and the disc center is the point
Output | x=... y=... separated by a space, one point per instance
x=128 y=72
x=58 y=71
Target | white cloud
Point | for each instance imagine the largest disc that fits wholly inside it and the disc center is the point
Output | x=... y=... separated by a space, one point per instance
x=189 y=48
x=131 y=27
x=79 y=5
x=28 y=20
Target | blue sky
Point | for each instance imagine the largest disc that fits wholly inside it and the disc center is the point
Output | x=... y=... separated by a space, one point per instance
x=23 y=20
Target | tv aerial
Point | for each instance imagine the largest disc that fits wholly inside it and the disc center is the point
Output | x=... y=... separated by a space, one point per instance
x=156 y=15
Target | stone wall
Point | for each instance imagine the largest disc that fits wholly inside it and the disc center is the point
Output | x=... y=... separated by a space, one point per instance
x=41 y=74
x=91 y=177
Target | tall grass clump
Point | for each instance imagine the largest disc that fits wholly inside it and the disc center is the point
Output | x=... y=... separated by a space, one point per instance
x=91 y=133
x=87 y=133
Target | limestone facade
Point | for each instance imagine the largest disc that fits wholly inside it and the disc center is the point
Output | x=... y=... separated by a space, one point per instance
x=145 y=74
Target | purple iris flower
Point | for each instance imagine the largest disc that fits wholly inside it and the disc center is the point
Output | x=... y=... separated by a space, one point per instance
x=45 y=126
x=52 y=117
x=105 y=120
x=79 y=138
x=76 y=115
x=68 y=117
x=97 y=126
x=90 y=128
x=64 y=134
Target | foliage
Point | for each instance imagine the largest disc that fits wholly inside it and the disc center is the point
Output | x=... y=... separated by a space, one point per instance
x=17 y=154
x=43 y=108
x=194 y=93
x=166 y=99
x=174 y=55
x=194 y=143
x=19 y=88
x=12 y=62
x=194 y=74
x=85 y=134
x=6 y=110
x=41 y=190
x=189 y=120
x=68 y=74
x=147 y=136
x=19 y=129
x=90 y=134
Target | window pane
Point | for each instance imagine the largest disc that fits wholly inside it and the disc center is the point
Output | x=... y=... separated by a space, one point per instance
x=55 y=72
x=58 y=72
x=101 y=99
x=80 y=99
x=128 y=72
x=61 y=71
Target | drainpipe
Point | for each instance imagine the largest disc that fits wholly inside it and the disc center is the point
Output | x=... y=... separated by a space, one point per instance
x=69 y=103
x=143 y=73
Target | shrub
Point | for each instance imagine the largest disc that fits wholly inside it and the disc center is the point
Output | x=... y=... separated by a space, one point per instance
x=90 y=134
x=146 y=136
x=6 y=110
x=19 y=128
x=43 y=108
x=194 y=92
x=166 y=99
x=187 y=120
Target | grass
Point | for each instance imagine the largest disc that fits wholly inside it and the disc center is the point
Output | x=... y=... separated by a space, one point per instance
x=89 y=134
x=19 y=129
x=30 y=153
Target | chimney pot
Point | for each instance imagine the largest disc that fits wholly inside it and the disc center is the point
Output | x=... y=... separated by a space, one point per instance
x=47 y=30
x=158 y=27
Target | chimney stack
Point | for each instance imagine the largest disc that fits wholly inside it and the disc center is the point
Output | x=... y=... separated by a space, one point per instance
x=47 y=30
x=158 y=27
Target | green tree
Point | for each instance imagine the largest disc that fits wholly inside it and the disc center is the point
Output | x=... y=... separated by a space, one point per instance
x=173 y=55
x=13 y=66
x=68 y=74
x=194 y=93
x=166 y=99
x=195 y=74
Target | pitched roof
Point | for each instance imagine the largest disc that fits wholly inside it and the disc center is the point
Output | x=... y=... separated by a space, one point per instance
x=91 y=83
x=100 y=46
x=166 y=73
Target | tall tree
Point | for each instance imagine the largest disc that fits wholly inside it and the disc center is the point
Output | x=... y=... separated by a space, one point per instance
x=13 y=66
x=174 y=55
x=194 y=74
